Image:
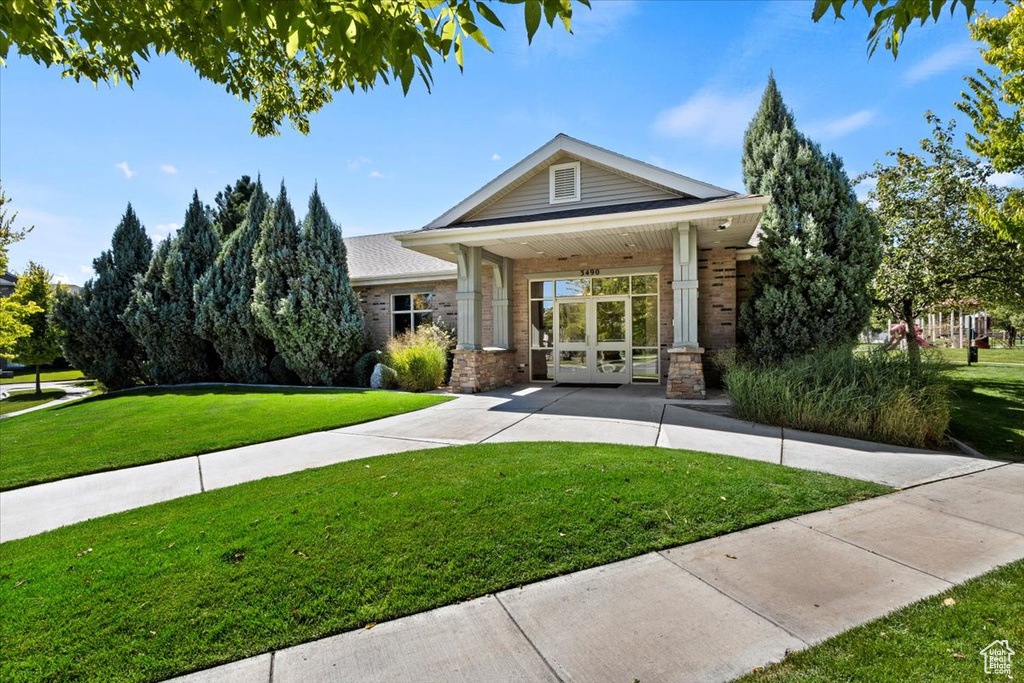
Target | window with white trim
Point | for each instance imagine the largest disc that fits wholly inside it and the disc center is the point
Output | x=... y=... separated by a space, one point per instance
x=564 y=182
x=409 y=311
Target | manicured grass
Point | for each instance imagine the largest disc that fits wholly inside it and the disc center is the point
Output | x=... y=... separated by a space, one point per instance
x=120 y=430
x=22 y=400
x=984 y=355
x=230 y=573
x=988 y=409
x=29 y=375
x=927 y=641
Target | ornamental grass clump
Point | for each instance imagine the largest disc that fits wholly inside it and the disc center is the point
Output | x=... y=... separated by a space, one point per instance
x=872 y=396
x=420 y=358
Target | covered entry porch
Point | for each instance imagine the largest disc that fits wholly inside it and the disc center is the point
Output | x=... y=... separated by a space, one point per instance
x=596 y=299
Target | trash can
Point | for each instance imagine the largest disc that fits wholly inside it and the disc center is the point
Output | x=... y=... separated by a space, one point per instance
x=972 y=354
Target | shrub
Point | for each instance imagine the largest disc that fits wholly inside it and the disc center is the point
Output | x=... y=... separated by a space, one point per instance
x=420 y=358
x=364 y=367
x=870 y=395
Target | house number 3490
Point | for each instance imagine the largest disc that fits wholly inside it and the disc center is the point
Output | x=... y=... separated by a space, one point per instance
x=591 y=271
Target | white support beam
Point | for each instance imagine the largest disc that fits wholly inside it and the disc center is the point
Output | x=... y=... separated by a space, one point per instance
x=468 y=297
x=684 y=287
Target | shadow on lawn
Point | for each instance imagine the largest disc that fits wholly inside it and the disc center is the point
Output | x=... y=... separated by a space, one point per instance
x=212 y=389
x=986 y=413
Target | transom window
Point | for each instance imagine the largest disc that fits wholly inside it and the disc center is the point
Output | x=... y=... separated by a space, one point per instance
x=409 y=311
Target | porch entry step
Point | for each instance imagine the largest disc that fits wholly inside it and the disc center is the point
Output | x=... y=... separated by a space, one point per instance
x=585 y=385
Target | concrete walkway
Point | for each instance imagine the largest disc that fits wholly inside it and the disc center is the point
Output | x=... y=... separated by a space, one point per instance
x=71 y=390
x=629 y=415
x=708 y=611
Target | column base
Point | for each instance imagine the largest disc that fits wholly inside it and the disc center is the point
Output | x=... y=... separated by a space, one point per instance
x=686 y=373
x=479 y=370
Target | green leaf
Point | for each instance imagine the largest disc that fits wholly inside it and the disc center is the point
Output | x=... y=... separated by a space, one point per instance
x=488 y=14
x=231 y=14
x=532 y=19
x=292 y=48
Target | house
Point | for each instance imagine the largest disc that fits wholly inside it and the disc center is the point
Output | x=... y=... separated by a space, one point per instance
x=575 y=265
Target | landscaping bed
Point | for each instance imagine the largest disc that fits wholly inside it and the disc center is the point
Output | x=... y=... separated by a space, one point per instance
x=227 y=574
x=152 y=425
x=937 y=639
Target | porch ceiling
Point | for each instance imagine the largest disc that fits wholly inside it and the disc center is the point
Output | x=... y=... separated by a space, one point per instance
x=646 y=237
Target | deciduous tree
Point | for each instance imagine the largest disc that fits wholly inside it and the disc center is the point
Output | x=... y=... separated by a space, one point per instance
x=92 y=336
x=935 y=250
x=40 y=347
x=285 y=58
x=12 y=314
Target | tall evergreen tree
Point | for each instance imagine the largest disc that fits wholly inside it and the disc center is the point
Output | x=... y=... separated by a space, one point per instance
x=41 y=347
x=162 y=311
x=224 y=301
x=93 y=337
x=231 y=206
x=314 y=316
x=818 y=249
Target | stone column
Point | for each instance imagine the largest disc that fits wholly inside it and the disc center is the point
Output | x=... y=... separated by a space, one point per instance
x=686 y=357
x=468 y=297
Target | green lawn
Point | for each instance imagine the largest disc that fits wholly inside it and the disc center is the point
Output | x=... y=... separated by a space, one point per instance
x=931 y=640
x=109 y=432
x=223 y=575
x=988 y=408
x=47 y=375
x=27 y=398
x=984 y=355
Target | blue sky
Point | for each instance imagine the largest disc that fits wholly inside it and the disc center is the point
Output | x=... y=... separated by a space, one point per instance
x=673 y=83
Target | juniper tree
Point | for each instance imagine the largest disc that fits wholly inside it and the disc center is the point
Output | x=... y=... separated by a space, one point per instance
x=162 y=311
x=311 y=313
x=224 y=301
x=41 y=347
x=818 y=248
x=93 y=337
x=232 y=203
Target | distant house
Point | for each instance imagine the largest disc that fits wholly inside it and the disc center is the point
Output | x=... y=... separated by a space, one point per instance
x=575 y=265
x=7 y=283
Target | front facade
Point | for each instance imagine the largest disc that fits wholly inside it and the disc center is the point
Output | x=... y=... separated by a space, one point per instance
x=577 y=265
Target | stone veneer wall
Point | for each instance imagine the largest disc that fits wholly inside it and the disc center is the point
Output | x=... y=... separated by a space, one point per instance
x=686 y=374
x=631 y=259
x=483 y=370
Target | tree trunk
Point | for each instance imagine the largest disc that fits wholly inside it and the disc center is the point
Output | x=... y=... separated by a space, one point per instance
x=39 y=387
x=913 y=351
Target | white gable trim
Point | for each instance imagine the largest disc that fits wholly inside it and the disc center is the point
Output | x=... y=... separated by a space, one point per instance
x=587 y=152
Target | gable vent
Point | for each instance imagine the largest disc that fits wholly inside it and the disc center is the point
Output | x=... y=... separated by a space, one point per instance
x=565 y=182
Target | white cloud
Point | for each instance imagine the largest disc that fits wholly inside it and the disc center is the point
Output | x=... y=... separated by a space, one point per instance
x=837 y=128
x=165 y=228
x=376 y=174
x=495 y=157
x=167 y=168
x=357 y=163
x=86 y=270
x=61 y=279
x=941 y=61
x=1008 y=179
x=123 y=166
x=715 y=118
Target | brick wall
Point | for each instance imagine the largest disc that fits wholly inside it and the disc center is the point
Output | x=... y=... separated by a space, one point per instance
x=716 y=298
x=744 y=273
x=376 y=304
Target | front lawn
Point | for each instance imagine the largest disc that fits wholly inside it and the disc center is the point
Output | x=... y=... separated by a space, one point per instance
x=937 y=639
x=27 y=398
x=984 y=355
x=230 y=573
x=988 y=409
x=120 y=430
x=23 y=375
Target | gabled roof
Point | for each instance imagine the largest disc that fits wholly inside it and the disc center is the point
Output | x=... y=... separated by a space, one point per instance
x=563 y=144
x=373 y=258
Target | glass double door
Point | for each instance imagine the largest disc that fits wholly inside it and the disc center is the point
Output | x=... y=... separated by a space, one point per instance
x=591 y=340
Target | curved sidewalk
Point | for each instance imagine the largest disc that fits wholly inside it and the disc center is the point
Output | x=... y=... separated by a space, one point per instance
x=708 y=611
x=629 y=415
